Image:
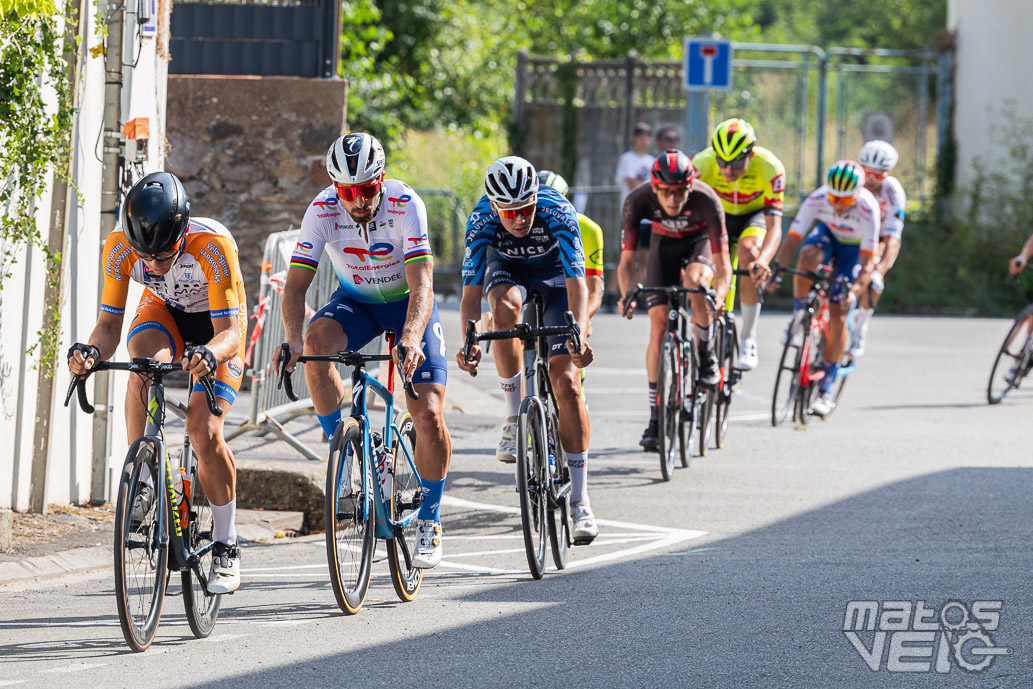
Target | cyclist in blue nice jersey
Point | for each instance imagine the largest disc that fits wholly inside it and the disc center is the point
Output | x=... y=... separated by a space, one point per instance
x=533 y=231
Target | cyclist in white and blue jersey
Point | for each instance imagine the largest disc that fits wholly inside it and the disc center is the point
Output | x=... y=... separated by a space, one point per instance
x=374 y=231
x=534 y=233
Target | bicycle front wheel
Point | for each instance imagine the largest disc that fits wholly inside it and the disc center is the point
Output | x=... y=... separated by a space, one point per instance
x=729 y=379
x=669 y=402
x=1012 y=359
x=202 y=608
x=141 y=563
x=349 y=517
x=406 y=498
x=532 y=484
x=787 y=380
x=560 y=524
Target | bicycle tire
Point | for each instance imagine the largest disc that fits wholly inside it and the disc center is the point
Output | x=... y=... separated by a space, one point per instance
x=687 y=412
x=559 y=521
x=729 y=345
x=816 y=354
x=140 y=582
x=787 y=379
x=668 y=403
x=350 y=540
x=1021 y=326
x=406 y=497
x=532 y=478
x=202 y=608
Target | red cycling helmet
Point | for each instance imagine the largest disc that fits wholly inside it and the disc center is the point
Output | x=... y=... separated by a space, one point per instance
x=672 y=168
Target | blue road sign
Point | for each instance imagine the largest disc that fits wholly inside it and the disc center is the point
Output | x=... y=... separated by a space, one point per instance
x=708 y=64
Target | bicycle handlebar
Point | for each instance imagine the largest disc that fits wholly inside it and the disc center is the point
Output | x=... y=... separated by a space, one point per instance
x=349 y=358
x=143 y=367
x=708 y=294
x=1014 y=279
x=522 y=331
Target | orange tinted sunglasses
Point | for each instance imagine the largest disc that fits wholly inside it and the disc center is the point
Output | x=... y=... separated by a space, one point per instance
x=842 y=200
x=524 y=211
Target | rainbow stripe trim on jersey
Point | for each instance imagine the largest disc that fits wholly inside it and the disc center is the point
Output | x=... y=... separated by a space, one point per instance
x=418 y=255
x=306 y=263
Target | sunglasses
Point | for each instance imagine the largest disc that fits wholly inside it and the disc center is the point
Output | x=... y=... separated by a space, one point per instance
x=672 y=192
x=368 y=191
x=842 y=200
x=875 y=174
x=161 y=258
x=524 y=211
x=671 y=139
x=737 y=164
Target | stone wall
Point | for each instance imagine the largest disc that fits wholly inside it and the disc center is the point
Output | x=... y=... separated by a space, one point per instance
x=251 y=151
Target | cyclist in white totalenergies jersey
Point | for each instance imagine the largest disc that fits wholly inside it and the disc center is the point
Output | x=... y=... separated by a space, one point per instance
x=375 y=232
x=878 y=158
x=848 y=229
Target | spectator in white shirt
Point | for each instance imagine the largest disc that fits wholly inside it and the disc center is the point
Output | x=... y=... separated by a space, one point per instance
x=633 y=166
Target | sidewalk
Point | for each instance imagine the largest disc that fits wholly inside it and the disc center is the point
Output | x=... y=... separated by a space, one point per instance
x=279 y=494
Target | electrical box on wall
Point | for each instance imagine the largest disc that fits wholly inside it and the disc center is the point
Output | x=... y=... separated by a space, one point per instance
x=147 y=17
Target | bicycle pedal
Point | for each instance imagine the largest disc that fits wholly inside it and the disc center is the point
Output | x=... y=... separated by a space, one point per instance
x=584 y=540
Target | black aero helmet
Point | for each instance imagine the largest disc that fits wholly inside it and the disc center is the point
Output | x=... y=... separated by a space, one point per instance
x=157 y=213
x=673 y=168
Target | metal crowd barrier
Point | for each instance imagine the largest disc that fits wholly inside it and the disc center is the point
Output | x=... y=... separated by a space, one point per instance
x=270 y=408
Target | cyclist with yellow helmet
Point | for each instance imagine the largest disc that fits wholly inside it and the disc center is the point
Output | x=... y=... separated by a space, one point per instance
x=750 y=181
x=847 y=217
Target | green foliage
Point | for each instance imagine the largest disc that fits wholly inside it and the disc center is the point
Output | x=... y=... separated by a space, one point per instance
x=34 y=137
x=898 y=24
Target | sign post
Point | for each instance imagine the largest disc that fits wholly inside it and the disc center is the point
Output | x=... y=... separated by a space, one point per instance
x=707 y=65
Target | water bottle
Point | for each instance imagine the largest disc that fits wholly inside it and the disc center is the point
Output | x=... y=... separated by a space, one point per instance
x=382 y=459
x=552 y=463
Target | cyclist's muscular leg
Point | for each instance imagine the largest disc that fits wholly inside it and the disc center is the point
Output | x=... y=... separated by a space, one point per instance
x=810 y=259
x=216 y=468
x=835 y=344
x=657 y=330
x=697 y=274
x=748 y=252
x=566 y=383
x=505 y=302
x=154 y=344
x=324 y=336
x=434 y=444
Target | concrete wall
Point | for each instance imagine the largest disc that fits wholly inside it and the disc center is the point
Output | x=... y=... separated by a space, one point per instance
x=21 y=300
x=992 y=72
x=251 y=152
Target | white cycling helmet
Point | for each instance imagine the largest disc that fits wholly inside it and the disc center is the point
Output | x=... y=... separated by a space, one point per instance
x=878 y=155
x=355 y=158
x=554 y=180
x=511 y=180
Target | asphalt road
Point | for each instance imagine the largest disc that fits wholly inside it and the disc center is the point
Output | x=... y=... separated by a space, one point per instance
x=737 y=573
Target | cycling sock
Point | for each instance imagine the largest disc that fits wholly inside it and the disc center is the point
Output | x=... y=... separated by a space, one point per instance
x=224 y=517
x=864 y=317
x=511 y=392
x=831 y=369
x=329 y=422
x=704 y=334
x=431 y=507
x=653 y=412
x=750 y=312
x=799 y=304
x=576 y=461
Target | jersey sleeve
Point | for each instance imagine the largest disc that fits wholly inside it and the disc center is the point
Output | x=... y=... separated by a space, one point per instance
x=564 y=228
x=807 y=215
x=630 y=218
x=592 y=240
x=715 y=217
x=870 y=216
x=417 y=245
x=774 y=188
x=219 y=263
x=310 y=241
x=480 y=232
x=896 y=202
x=119 y=258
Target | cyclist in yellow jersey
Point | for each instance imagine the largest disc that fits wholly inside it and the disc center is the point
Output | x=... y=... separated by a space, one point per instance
x=750 y=181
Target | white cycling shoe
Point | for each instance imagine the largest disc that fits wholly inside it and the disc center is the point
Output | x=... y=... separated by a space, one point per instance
x=507 y=448
x=428 y=544
x=748 y=358
x=585 y=529
x=823 y=404
x=224 y=576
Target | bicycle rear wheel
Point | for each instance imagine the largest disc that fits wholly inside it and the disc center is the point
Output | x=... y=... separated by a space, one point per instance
x=202 y=608
x=787 y=381
x=349 y=517
x=669 y=401
x=406 y=498
x=532 y=484
x=1013 y=358
x=141 y=564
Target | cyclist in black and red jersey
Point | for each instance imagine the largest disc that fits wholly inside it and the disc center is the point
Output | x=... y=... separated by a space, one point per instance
x=688 y=227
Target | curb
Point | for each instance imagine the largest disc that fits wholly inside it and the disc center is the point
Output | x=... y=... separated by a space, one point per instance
x=49 y=566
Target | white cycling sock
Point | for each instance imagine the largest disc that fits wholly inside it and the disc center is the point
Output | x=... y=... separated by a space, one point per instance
x=750 y=313
x=224 y=528
x=577 y=461
x=511 y=392
x=864 y=317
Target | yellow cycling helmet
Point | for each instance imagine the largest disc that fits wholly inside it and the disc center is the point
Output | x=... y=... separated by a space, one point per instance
x=733 y=139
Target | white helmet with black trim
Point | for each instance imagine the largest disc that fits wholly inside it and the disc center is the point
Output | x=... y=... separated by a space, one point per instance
x=511 y=180
x=355 y=158
x=878 y=155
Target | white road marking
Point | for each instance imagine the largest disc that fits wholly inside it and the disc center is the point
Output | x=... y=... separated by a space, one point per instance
x=11 y=682
x=75 y=668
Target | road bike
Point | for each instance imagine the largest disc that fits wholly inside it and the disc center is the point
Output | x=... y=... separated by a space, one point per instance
x=1015 y=357
x=727 y=347
x=800 y=370
x=373 y=489
x=543 y=477
x=174 y=533
x=683 y=402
